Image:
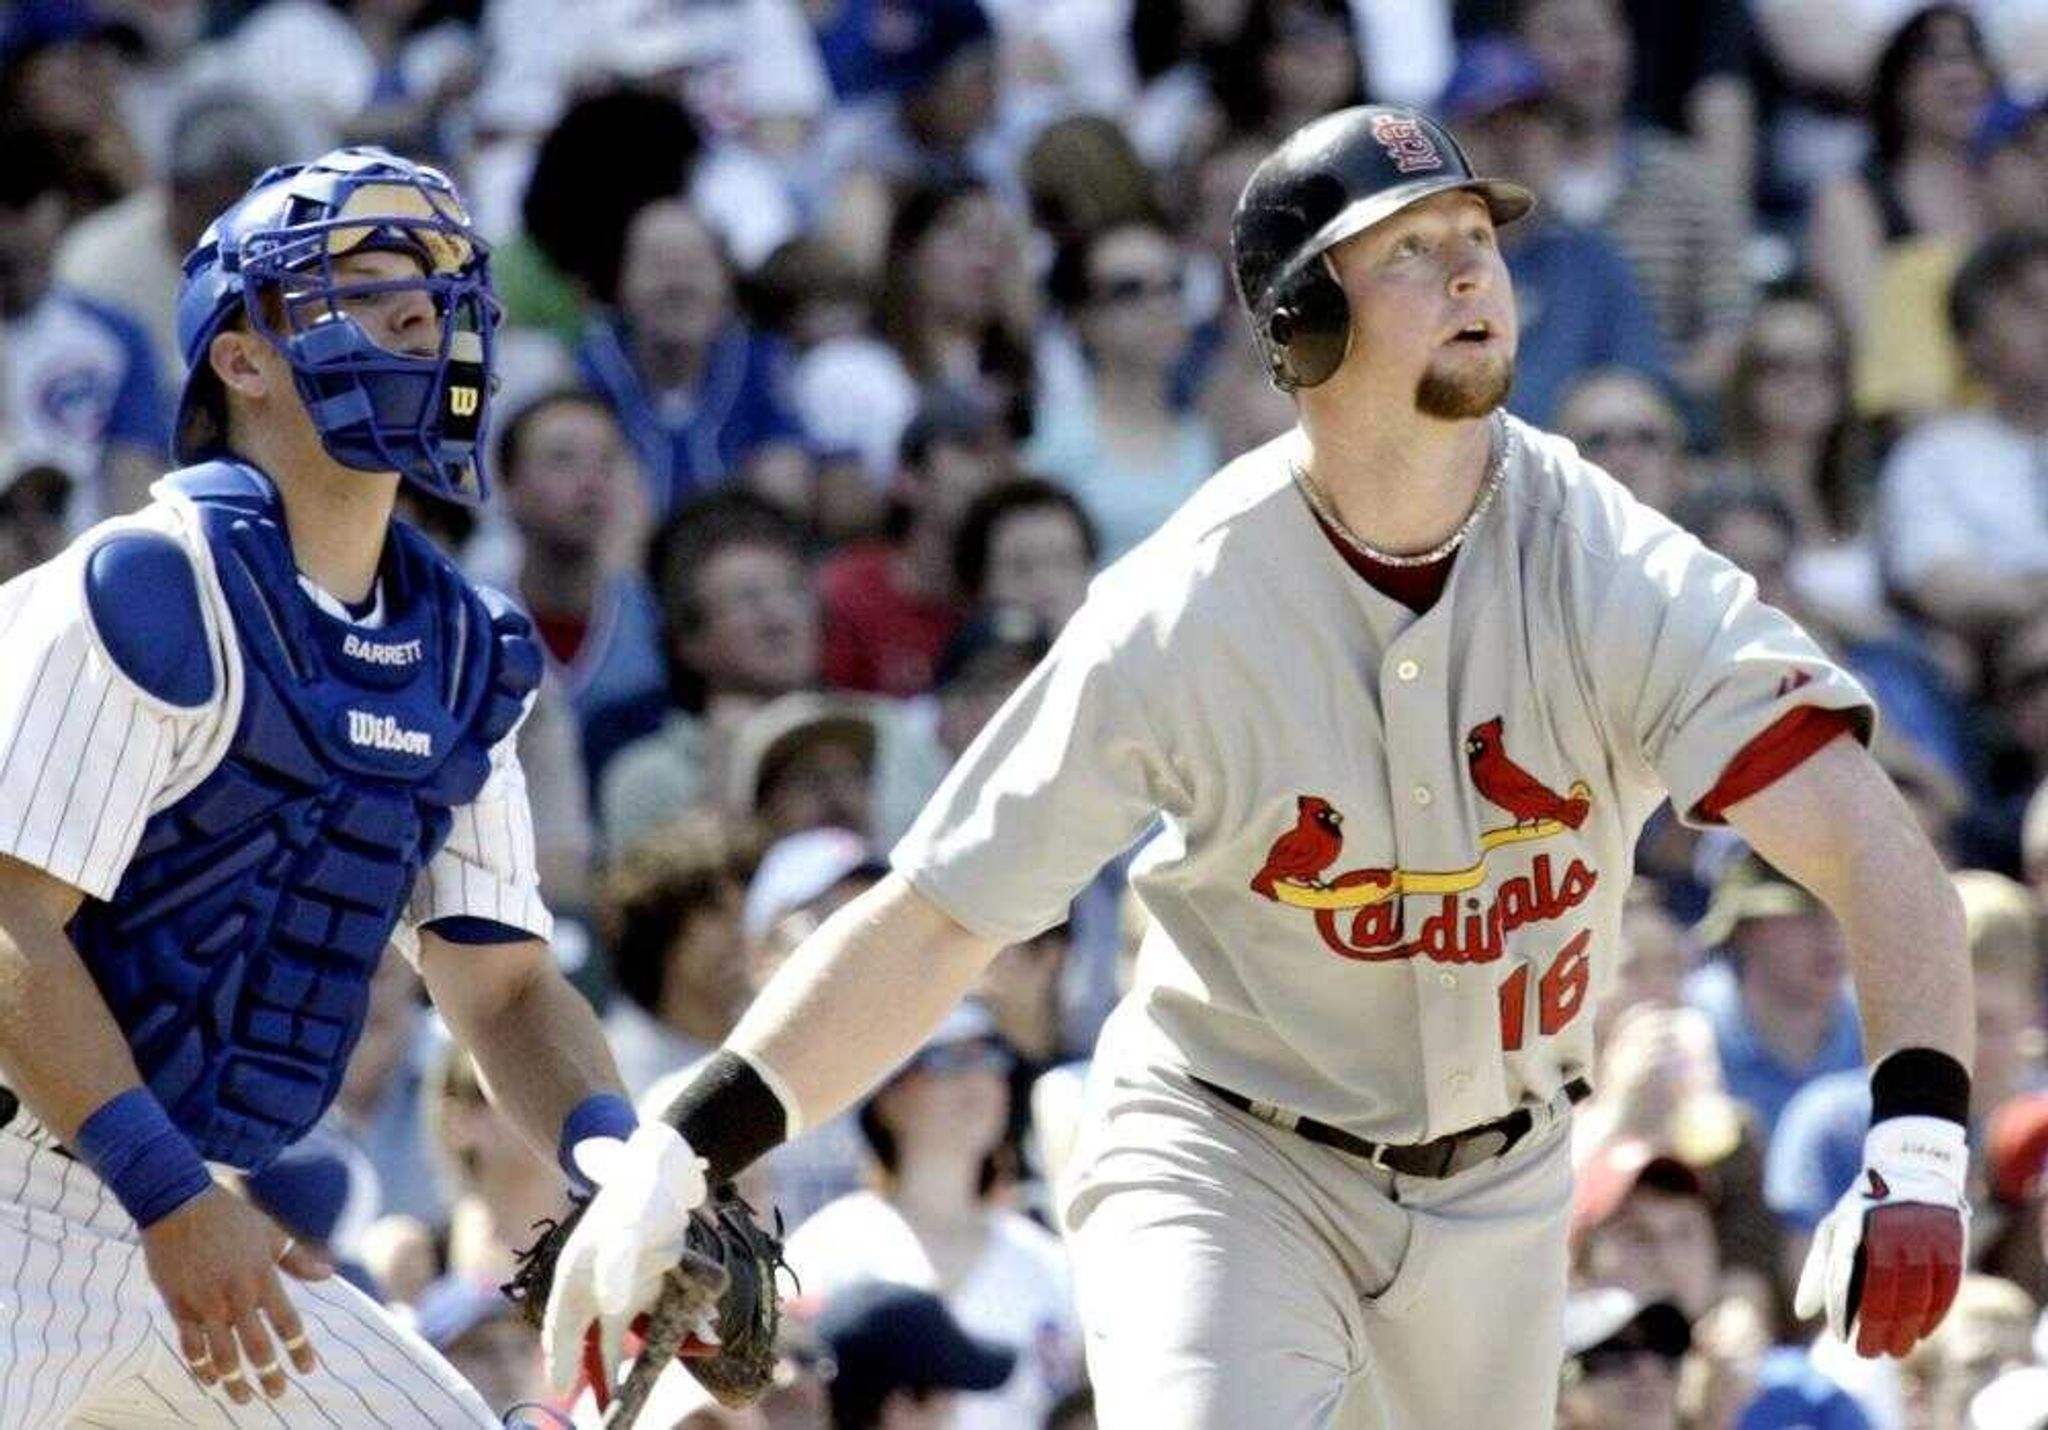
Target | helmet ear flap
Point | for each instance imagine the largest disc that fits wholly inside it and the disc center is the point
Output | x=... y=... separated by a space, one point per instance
x=1308 y=331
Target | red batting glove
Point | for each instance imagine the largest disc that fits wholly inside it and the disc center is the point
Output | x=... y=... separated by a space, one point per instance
x=1887 y=1260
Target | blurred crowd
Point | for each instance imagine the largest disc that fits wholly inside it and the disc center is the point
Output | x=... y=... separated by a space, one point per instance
x=845 y=340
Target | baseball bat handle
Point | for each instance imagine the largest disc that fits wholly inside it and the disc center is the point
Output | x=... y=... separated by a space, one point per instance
x=689 y=1292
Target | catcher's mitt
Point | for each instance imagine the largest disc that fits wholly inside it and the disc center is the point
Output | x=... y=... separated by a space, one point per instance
x=728 y=1267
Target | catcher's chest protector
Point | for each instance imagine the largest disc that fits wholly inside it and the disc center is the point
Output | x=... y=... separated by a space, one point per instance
x=237 y=951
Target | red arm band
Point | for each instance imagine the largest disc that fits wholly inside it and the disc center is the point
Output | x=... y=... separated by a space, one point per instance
x=1773 y=754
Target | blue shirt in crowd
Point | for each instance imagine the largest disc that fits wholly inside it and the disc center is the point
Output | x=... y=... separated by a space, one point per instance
x=1580 y=309
x=1818 y=1148
x=79 y=378
x=1755 y=1075
x=1792 y=1395
x=691 y=442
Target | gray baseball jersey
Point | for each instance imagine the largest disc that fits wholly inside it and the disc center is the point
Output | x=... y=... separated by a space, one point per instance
x=1394 y=848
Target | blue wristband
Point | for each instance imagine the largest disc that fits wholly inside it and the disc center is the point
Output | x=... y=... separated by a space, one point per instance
x=146 y=1162
x=602 y=1114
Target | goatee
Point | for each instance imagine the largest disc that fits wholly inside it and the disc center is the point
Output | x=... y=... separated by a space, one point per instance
x=1454 y=396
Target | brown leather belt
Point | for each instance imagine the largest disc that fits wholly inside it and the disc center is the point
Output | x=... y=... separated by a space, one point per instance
x=1444 y=1156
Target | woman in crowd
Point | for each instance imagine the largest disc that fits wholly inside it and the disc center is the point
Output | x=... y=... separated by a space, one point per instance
x=938 y=1221
x=1119 y=444
x=1930 y=86
x=956 y=300
x=1786 y=419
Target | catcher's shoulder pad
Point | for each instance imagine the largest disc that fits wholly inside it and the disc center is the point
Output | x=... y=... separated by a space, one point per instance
x=143 y=598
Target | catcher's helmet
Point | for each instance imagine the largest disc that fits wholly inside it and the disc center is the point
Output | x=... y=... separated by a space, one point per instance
x=1332 y=178
x=421 y=416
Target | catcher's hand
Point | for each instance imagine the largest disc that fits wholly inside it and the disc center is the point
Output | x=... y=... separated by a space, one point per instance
x=599 y=1271
x=1887 y=1260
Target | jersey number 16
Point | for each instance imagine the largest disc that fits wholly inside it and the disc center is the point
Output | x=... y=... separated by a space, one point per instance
x=1560 y=993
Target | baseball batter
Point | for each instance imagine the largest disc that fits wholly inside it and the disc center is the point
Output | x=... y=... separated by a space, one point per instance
x=249 y=736
x=1402 y=687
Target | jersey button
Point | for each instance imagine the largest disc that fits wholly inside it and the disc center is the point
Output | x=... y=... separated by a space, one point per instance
x=1458 y=1080
x=1423 y=795
x=1449 y=980
x=1408 y=670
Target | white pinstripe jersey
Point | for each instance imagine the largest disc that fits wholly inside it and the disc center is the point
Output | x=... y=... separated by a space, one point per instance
x=86 y=756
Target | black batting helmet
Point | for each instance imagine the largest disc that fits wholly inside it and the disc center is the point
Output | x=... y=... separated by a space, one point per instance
x=1332 y=178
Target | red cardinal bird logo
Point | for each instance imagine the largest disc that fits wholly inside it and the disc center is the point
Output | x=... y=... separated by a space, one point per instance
x=1513 y=788
x=1303 y=852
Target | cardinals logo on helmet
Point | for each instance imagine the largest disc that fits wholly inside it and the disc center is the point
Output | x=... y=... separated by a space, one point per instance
x=1406 y=144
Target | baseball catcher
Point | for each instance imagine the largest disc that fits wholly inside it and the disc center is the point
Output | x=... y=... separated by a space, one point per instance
x=253 y=737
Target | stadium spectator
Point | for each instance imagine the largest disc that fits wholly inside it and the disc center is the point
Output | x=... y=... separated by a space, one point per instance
x=577 y=202
x=1309 y=64
x=740 y=622
x=890 y=605
x=60 y=81
x=1778 y=998
x=1082 y=176
x=1664 y=205
x=1119 y=444
x=701 y=397
x=387 y=72
x=804 y=761
x=1194 y=63
x=1929 y=85
x=935 y=1128
x=79 y=388
x=1908 y=364
x=847 y=386
x=668 y=915
x=1576 y=297
x=1625 y=422
x=1972 y=554
x=1651 y=964
x=922 y=102
x=903 y=1360
x=499 y=1190
x=1622 y=1356
x=1027 y=543
x=956 y=297
x=127 y=255
x=1786 y=418
x=568 y=484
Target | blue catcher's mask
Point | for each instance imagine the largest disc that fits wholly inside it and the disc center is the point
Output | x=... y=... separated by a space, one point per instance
x=273 y=258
